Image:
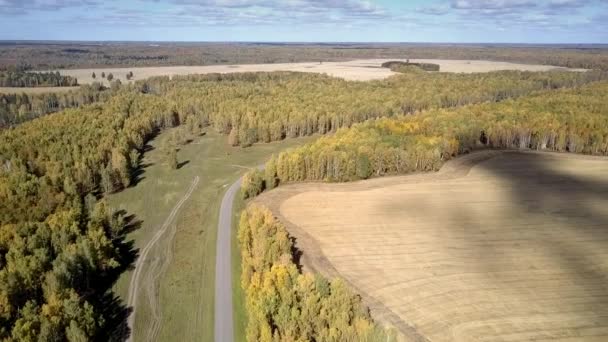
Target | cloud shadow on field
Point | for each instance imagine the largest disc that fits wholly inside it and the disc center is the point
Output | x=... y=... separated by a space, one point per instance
x=572 y=241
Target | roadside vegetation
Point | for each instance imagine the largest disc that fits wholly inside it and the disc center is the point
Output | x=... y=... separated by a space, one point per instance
x=177 y=282
x=285 y=305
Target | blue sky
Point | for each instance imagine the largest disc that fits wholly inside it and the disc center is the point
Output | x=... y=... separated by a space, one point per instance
x=501 y=21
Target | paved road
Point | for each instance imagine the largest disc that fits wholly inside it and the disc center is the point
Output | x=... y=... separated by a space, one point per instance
x=224 y=323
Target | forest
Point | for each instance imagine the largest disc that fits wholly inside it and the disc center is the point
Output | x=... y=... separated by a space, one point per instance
x=398 y=66
x=18 y=108
x=285 y=305
x=567 y=120
x=61 y=247
x=10 y=78
x=104 y=54
x=264 y=107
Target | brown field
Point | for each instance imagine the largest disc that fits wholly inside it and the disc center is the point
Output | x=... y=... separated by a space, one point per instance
x=497 y=246
x=357 y=70
x=36 y=90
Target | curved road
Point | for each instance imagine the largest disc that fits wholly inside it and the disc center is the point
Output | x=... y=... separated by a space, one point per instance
x=224 y=324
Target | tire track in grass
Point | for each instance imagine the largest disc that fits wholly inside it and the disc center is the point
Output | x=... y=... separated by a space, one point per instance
x=134 y=285
x=151 y=282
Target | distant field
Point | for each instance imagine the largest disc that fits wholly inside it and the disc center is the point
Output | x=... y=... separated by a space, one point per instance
x=36 y=90
x=177 y=289
x=356 y=70
x=494 y=247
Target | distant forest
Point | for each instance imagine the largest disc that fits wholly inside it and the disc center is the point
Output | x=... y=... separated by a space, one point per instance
x=9 y=78
x=99 y=55
x=18 y=108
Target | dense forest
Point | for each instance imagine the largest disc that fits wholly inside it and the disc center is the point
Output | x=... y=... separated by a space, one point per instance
x=61 y=248
x=103 y=54
x=35 y=79
x=263 y=107
x=285 y=305
x=398 y=66
x=18 y=108
x=572 y=120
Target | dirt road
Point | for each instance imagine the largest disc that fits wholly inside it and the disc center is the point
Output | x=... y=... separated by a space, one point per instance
x=135 y=284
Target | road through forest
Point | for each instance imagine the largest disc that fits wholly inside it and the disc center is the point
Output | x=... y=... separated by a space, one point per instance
x=224 y=322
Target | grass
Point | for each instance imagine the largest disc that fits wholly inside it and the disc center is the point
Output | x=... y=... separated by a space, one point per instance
x=179 y=273
x=238 y=295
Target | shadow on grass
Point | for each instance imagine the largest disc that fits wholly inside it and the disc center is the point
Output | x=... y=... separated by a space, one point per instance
x=182 y=164
x=113 y=309
x=137 y=174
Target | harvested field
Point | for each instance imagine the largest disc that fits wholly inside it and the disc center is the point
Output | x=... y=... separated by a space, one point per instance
x=494 y=247
x=357 y=70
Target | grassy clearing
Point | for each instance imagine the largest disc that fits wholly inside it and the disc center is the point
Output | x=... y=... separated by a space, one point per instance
x=177 y=288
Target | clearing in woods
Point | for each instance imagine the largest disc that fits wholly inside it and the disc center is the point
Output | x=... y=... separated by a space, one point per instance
x=174 y=288
x=496 y=246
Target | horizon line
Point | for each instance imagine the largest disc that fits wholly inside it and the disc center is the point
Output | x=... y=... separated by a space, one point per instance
x=285 y=42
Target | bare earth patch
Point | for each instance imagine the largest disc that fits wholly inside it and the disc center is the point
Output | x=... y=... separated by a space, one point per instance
x=357 y=70
x=494 y=247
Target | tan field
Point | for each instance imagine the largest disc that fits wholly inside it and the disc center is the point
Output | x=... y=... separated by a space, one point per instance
x=494 y=247
x=357 y=70
x=36 y=90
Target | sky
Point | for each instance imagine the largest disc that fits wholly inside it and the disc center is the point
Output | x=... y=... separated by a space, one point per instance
x=457 y=21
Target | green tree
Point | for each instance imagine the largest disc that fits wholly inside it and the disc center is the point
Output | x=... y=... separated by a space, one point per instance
x=172 y=158
x=252 y=184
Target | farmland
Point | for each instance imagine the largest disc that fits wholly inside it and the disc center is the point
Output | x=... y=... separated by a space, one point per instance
x=354 y=70
x=494 y=246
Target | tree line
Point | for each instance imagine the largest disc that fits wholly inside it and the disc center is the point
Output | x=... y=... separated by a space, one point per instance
x=569 y=120
x=74 y=55
x=398 y=66
x=14 y=78
x=285 y=305
x=264 y=107
x=18 y=108
x=61 y=248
